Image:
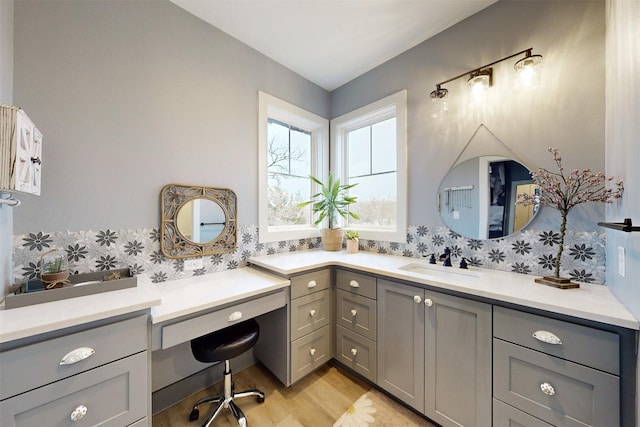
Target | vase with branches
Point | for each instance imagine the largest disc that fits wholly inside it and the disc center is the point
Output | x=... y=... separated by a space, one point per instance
x=563 y=191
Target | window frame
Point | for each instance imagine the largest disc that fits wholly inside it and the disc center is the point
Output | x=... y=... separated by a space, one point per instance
x=270 y=107
x=391 y=106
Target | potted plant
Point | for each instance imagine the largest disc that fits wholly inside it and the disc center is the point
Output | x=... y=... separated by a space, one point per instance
x=564 y=191
x=332 y=200
x=54 y=271
x=353 y=240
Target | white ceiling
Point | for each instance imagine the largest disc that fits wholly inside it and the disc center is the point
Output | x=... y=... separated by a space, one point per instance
x=331 y=42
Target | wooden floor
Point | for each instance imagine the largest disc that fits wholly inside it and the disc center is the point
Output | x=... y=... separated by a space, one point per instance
x=317 y=400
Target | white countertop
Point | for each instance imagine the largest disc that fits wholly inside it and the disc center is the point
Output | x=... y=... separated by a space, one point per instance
x=590 y=302
x=193 y=294
x=17 y=323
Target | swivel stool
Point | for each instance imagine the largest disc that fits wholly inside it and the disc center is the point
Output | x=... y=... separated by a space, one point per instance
x=224 y=345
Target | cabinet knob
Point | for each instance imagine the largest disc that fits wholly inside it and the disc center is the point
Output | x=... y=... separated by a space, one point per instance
x=354 y=284
x=417 y=299
x=428 y=302
x=547 y=389
x=312 y=312
x=312 y=284
x=74 y=356
x=354 y=312
x=354 y=351
x=547 y=337
x=312 y=351
x=78 y=413
x=236 y=315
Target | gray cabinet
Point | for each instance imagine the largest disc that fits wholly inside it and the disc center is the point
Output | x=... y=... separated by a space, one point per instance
x=401 y=342
x=310 y=325
x=434 y=353
x=558 y=372
x=457 y=360
x=97 y=376
x=356 y=326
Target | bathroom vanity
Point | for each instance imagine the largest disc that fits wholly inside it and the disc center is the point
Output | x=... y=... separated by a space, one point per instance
x=472 y=347
x=463 y=347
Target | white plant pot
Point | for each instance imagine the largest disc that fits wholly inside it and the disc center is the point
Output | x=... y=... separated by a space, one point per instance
x=352 y=246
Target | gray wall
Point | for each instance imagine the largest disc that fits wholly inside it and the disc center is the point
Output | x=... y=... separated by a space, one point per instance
x=146 y=94
x=623 y=150
x=132 y=95
x=566 y=111
x=6 y=97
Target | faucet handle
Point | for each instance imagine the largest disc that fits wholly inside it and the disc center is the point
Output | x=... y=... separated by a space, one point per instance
x=463 y=263
x=432 y=259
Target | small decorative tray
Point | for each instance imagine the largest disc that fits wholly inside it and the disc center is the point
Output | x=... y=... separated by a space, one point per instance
x=34 y=292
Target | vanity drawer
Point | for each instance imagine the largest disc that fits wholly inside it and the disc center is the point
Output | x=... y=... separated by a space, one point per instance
x=309 y=283
x=356 y=352
x=356 y=313
x=113 y=395
x=557 y=391
x=356 y=283
x=310 y=352
x=34 y=365
x=507 y=416
x=185 y=330
x=587 y=346
x=309 y=313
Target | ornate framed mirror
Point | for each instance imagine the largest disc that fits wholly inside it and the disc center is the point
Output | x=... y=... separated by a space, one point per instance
x=197 y=221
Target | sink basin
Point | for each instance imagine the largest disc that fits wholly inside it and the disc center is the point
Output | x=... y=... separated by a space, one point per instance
x=438 y=270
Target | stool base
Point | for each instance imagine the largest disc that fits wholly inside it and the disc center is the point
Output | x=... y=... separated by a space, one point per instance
x=226 y=401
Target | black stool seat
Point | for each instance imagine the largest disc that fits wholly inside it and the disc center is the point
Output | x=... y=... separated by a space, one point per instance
x=226 y=343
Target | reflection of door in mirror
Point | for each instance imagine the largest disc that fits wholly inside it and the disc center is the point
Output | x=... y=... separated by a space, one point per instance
x=478 y=196
x=523 y=214
x=505 y=177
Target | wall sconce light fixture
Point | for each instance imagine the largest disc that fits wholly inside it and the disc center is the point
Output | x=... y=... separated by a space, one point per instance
x=481 y=78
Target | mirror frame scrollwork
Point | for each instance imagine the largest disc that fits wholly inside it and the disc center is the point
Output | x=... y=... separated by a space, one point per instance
x=175 y=244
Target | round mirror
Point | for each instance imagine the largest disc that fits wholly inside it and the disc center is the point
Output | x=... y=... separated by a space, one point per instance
x=200 y=220
x=477 y=198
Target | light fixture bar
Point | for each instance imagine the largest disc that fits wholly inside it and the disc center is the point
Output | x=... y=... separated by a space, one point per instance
x=475 y=70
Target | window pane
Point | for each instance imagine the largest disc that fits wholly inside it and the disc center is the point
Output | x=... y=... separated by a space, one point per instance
x=383 y=157
x=359 y=151
x=284 y=193
x=277 y=147
x=376 y=204
x=300 y=153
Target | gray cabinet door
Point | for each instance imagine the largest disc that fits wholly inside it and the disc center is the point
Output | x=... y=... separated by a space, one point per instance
x=401 y=342
x=457 y=361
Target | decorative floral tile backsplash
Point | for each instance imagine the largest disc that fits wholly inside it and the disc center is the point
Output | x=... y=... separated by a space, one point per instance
x=528 y=252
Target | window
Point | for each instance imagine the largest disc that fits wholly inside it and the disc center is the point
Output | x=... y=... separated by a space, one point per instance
x=369 y=148
x=293 y=144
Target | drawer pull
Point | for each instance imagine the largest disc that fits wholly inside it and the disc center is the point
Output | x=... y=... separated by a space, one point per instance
x=312 y=284
x=236 y=315
x=417 y=299
x=354 y=284
x=354 y=312
x=428 y=302
x=312 y=351
x=74 y=356
x=354 y=351
x=547 y=337
x=78 y=413
x=312 y=313
x=547 y=389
